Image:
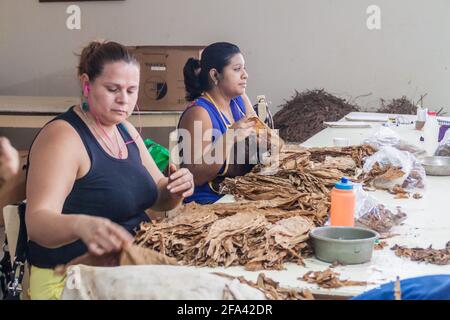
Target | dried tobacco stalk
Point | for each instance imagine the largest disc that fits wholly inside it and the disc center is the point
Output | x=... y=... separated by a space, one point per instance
x=398 y=106
x=303 y=116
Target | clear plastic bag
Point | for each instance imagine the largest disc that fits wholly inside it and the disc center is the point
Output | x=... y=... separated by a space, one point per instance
x=400 y=169
x=370 y=213
x=387 y=137
x=444 y=147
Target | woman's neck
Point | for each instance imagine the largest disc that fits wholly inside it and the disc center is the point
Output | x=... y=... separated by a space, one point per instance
x=92 y=120
x=221 y=100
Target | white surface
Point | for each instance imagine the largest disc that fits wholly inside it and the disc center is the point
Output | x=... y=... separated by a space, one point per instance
x=428 y=223
x=367 y=117
x=345 y=124
x=341 y=142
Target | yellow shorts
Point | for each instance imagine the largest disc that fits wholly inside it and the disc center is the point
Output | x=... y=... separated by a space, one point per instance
x=45 y=284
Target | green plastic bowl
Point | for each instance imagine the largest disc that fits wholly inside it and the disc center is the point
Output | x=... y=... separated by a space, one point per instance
x=346 y=245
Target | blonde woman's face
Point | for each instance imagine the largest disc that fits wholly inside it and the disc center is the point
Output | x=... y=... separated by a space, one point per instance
x=113 y=94
x=233 y=79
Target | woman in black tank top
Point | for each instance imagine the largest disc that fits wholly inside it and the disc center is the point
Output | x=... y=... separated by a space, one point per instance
x=90 y=177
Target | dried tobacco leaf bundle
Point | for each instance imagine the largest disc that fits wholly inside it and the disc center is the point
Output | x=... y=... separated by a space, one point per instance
x=269 y=224
x=329 y=279
x=378 y=175
x=381 y=219
x=430 y=255
x=272 y=289
x=256 y=235
x=303 y=179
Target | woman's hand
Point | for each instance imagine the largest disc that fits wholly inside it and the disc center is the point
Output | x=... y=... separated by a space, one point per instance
x=101 y=235
x=9 y=159
x=181 y=182
x=242 y=129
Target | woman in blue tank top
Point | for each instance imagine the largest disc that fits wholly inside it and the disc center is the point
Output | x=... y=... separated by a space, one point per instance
x=216 y=84
x=90 y=177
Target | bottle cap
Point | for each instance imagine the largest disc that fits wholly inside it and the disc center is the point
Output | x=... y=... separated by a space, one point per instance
x=432 y=113
x=344 y=184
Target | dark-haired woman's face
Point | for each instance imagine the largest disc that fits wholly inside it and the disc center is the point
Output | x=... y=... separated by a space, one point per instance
x=114 y=93
x=233 y=79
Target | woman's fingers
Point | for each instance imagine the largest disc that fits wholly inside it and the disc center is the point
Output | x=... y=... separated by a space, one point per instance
x=122 y=235
x=179 y=173
x=179 y=181
x=244 y=124
x=249 y=124
x=183 y=187
x=95 y=249
x=188 y=193
x=179 y=177
x=116 y=243
x=104 y=242
x=182 y=181
x=172 y=169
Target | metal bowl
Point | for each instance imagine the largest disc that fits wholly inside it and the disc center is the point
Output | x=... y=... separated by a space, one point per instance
x=436 y=166
x=346 y=245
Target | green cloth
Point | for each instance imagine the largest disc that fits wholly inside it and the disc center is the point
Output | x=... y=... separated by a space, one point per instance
x=159 y=154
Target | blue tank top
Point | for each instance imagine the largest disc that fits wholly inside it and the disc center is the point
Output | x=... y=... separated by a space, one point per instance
x=118 y=189
x=204 y=194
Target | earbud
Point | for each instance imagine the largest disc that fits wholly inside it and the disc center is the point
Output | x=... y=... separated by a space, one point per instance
x=86 y=88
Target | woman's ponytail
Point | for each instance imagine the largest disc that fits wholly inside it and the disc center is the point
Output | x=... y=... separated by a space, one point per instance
x=191 y=72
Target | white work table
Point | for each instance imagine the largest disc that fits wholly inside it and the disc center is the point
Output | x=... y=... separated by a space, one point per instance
x=428 y=223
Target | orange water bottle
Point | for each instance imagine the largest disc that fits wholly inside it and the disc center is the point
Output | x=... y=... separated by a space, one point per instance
x=343 y=202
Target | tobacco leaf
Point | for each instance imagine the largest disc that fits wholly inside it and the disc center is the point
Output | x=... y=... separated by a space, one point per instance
x=329 y=279
x=272 y=289
x=430 y=255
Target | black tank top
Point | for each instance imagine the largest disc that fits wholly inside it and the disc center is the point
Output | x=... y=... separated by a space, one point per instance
x=117 y=189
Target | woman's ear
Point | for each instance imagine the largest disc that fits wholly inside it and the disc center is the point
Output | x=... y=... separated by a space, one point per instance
x=214 y=74
x=84 y=78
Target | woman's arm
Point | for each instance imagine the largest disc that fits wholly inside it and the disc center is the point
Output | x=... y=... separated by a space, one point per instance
x=171 y=191
x=249 y=111
x=9 y=161
x=202 y=147
x=193 y=159
x=55 y=164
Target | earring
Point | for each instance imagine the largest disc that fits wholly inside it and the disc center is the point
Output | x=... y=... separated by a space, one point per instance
x=85 y=106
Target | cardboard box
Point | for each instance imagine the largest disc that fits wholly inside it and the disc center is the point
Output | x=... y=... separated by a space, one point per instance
x=162 y=82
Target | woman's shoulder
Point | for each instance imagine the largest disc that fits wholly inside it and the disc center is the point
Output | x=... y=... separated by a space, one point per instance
x=57 y=134
x=195 y=112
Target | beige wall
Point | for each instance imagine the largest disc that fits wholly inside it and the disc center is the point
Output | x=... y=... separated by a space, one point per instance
x=288 y=44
